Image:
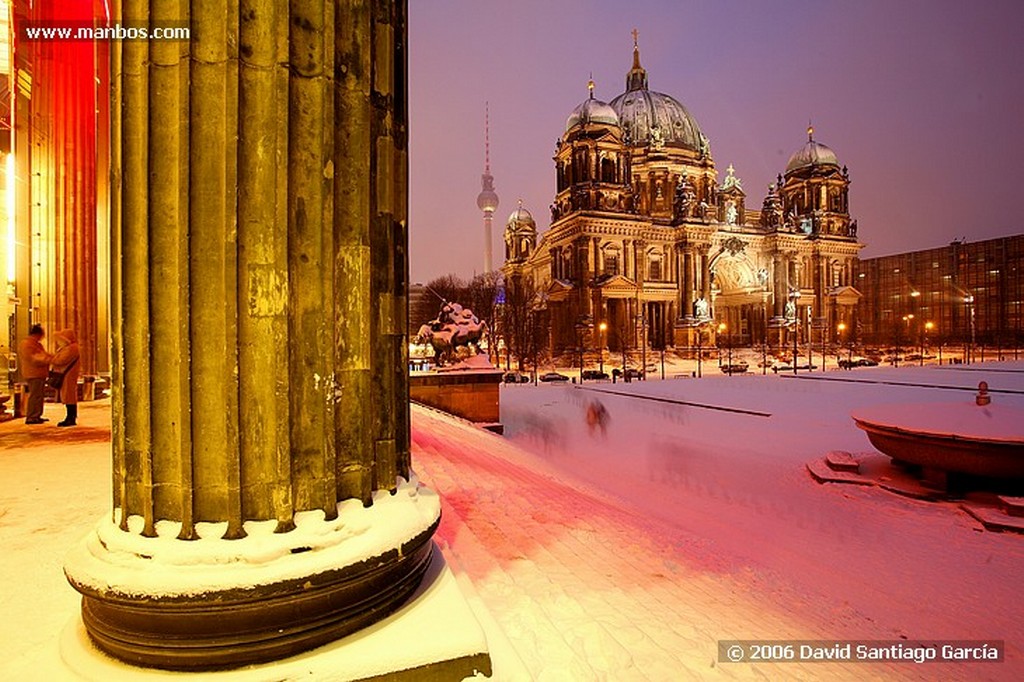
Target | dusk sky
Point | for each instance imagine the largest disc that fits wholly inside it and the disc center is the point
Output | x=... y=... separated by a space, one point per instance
x=921 y=99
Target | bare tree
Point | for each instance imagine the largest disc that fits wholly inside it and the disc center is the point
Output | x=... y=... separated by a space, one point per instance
x=517 y=318
x=481 y=296
x=439 y=290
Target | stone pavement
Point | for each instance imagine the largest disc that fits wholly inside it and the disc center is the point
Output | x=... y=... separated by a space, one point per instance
x=93 y=427
x=585 y=589
x=582 y=586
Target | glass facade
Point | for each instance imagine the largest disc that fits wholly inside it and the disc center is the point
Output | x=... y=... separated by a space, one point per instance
x=946 y=287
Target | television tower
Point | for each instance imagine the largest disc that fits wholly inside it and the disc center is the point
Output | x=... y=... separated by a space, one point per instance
x=487 y=200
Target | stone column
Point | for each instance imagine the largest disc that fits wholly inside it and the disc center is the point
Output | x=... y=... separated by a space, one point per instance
x=686 y=302
x=260 y=372
x=779 y=292
x=705 y=274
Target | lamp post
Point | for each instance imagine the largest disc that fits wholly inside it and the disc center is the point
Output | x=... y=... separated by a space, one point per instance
x=642 y=323
x=764 y=333
x=910 y=339
x=643 y=349
x=840 y=333
x=928 y=326
x=582 y=323
x=700 y=350
x=810 y=342
x=723 y=328
x=794 y=296
x=663 y=340
x=969 y=300
x=600 y=346
x=718 y=342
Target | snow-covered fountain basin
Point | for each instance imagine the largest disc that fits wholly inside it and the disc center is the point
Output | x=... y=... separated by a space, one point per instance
x=974 y=438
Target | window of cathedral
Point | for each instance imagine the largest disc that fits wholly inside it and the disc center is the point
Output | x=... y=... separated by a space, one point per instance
x=611 y=263
x=607 y=170
x=654 y=268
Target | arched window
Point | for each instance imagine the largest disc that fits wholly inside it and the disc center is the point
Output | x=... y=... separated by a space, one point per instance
x=654 y=268
x=607 y=170
x=611 y=261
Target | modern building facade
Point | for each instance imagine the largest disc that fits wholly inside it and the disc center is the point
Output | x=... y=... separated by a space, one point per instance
x=963 y=292
x=648 y=246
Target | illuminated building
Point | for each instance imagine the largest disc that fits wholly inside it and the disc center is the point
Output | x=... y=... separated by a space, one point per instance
x=946 y=286
x=645 y=237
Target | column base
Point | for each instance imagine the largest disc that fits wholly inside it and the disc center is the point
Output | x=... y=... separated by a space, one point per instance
x=210 y=604
x=408 y=645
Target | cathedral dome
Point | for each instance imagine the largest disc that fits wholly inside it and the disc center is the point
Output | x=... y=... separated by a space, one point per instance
x=592 y=111
x=521 y=218
x=654 y=118
x=649 y=116
x=812 y=154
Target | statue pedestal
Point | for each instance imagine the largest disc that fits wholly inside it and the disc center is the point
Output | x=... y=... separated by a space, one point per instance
x=433 y=636
x=690 y=333
x=471 y=394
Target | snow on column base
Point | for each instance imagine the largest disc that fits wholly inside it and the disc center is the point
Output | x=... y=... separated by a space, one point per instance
x=211 y=603
x=434 y=636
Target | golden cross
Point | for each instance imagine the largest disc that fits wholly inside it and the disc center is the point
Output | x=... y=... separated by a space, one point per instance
x=636 y=36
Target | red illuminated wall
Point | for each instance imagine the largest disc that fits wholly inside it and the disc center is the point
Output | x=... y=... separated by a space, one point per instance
x=65 y=138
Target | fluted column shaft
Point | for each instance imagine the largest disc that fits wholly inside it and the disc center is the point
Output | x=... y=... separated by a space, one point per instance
x=260 y=261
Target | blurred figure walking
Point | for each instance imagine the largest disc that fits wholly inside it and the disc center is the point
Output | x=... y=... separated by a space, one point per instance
x=35 y=365
x=597 y=418
x=65 y=361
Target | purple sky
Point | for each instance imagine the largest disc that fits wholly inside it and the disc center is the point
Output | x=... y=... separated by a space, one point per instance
x=921 y=99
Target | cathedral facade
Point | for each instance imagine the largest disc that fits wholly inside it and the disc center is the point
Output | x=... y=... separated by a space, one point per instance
x=648 y=246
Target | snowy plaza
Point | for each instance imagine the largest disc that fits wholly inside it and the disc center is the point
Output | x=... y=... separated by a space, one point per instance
x=621 y=556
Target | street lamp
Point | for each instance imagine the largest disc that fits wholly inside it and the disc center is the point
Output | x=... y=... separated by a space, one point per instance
x=700 y=350
x=641 y=322
x=600 y=347
x=582 y=324
x=969 y=300
x=728 y=341
x=840 y=333
x=928 y=326
x=718 y=342
x=910 y=339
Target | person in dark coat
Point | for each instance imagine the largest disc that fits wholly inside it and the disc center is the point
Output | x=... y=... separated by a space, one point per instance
x=66 y=361
x=35 y=363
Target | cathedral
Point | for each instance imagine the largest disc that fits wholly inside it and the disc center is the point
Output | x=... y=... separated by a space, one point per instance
x=647 y=246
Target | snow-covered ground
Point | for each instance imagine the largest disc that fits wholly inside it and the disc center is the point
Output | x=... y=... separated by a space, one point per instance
x=630 y=555
x=843 y=561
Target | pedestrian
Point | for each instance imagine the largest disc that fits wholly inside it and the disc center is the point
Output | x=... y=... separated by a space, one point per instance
x=65 y=361
x=35 y=366
x=597 y=418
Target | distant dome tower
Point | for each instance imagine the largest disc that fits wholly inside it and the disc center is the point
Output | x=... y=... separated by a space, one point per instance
x=814 y=191
x=520 y=235
x=487 y=200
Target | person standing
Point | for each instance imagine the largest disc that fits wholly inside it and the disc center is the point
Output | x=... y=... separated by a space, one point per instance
x=35 y=365
x=66 y=361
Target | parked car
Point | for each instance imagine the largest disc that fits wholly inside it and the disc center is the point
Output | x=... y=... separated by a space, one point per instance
x=735 y=368
x=630 y=373
x=857 y=361
x=594 y=374
x=553 y=376
x=787 y=367
x=515 y=378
